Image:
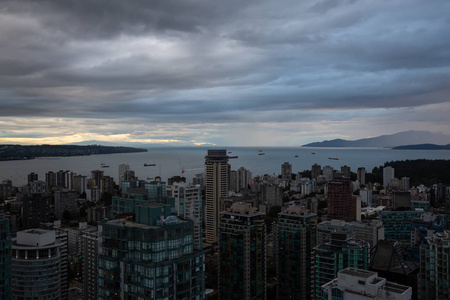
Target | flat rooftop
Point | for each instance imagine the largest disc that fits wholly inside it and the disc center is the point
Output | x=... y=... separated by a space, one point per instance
x=358 y=272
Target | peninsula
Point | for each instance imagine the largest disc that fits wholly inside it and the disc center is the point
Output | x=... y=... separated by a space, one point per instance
x=20 y=152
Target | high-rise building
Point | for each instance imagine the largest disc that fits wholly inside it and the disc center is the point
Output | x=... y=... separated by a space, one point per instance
x=36 y=209
x=242 y=253
x=328 y=173
x=286 y=171
x=388 y=175
x=341 y=205
x=90 y=254
x=398 y=224
x=337 y=255
x=5 y=259
x=80 y=183
x=216 y=169
x=404 y=184
x=122 y=169
x=359 y=284
x=32 y=177
x=50 y=178
x=150 y=258
x=366 y=196
x=75 y=245
x=423 y=227
x=325 y=228
x=38 y=265
x=156 y=189
x=295 y=258
x=434 y=276
x=370 y=231
x=96 y=176
x=187 y=201
x=345 y=171
x=361 y=175
x=315 y=171
x=65 y=200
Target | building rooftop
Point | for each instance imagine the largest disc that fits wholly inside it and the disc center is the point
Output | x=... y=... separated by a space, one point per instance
x=358 y=272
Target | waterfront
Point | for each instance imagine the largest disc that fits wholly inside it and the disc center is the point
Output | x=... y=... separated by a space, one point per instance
x=169 y=161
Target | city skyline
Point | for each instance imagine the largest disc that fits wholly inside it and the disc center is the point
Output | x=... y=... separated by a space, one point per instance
x=199 y=73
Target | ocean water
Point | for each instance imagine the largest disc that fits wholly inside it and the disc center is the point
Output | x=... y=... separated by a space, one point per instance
x=170 y=161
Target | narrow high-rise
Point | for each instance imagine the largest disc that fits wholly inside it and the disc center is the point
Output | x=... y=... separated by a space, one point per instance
x=295 y=259
x=341 y=205
x=388 y=175
x=5 y=259
x=242 y=253
x=286 y=171
x=434 y=276
x=361 y=175
x=216 y=169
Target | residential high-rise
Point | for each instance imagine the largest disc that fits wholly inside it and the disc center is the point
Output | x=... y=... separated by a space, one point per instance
x=65 y=200
x=286 y=171
x=366 y=196
x=434 y=276
x=75 y=245
x=388 y=175
x=337 y=255
x=122 y=169
x=5 y=259
x=370 y=231
x=398 y=224
x=325 y=228
x=50 y=178
x=38 y=265
x=345 y=171
x=242 y=253
x=295 y=256
x=315 y=171
x=152 y=257
x=32 y=177
x=361 y=175
x=327 y=173
x=187 y=201
x=216 y=173
x=90 y=254
x=423 y=227
x=404 y=184
x=341 y=205
x=359 y=284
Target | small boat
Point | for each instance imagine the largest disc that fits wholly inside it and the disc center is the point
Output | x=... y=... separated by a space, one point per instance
x=149 y=165
x=260 y=150
x=232 y=157
x=105 y=166
x=313 y=152
x=334 y=158
x=261 y=153
x=296 y=156
x=229 y=152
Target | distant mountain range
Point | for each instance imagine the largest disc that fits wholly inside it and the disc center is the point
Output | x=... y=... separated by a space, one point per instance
x=410 y=138
x=423 y=147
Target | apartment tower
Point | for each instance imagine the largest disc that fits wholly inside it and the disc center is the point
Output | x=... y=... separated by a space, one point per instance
x=295 y=259
x=242 y=253
x=216 y=169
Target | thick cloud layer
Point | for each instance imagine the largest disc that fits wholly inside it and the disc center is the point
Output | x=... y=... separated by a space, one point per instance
x=188 y=71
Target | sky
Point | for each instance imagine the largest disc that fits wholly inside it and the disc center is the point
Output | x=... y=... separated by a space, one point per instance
x=225 y=73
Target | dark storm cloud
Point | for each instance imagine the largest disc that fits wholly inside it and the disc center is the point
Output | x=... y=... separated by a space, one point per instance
x=200 y=61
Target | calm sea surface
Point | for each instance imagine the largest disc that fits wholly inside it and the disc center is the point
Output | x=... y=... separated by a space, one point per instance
x=169 y=161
